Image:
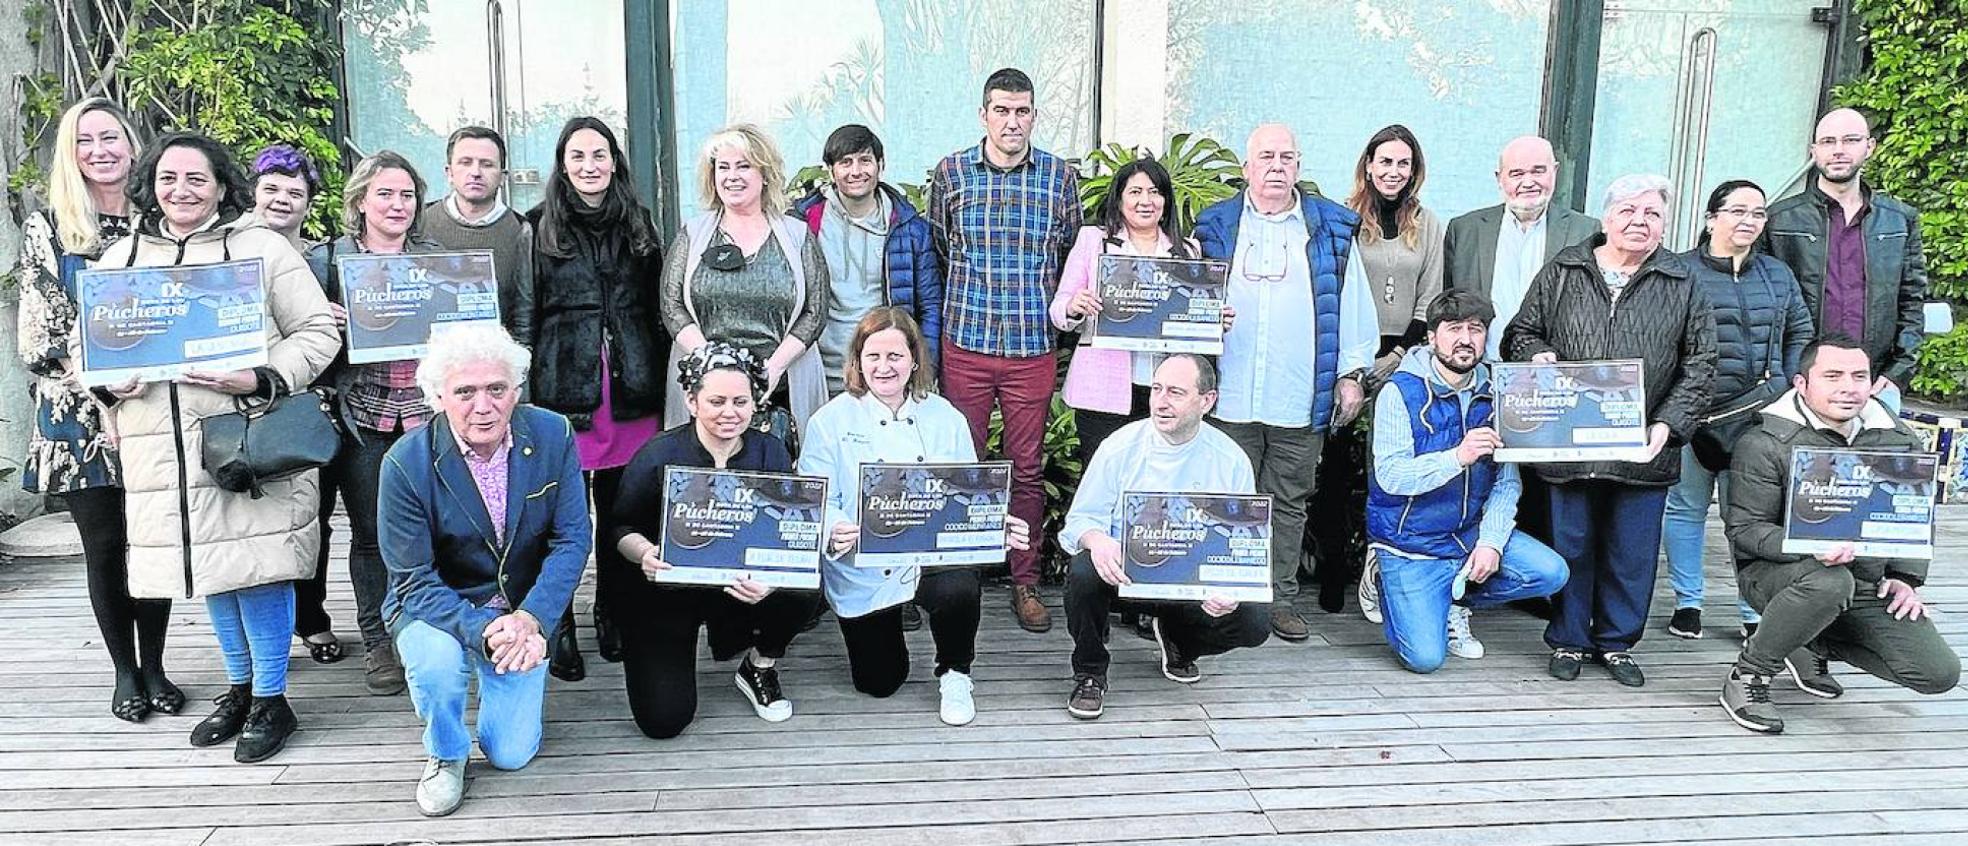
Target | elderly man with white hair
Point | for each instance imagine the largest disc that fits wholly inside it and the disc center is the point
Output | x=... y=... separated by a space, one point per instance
x=1294 y=278
x=1617 y=295
x=483 y=523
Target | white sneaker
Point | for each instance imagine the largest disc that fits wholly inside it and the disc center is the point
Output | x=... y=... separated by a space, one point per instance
x=442 y=789
x=1370 y=588
x=958 y=708
x=761 y=688
x=1462 y=642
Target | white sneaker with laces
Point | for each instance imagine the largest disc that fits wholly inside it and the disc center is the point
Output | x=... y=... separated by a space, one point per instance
x=442 y=788
x=958 y=707
x=1370 y=588
x=1462 y=642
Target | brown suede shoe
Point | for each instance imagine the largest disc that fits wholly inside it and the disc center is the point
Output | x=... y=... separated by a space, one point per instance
x=1031 y=611
x=1287 y=624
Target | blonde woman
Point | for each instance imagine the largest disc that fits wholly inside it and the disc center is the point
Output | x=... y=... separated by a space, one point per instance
x=745 y=273
x=381 y=205
x=70 y=453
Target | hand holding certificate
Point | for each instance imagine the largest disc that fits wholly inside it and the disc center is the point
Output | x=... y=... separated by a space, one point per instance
x=1571 y=411
x=720 y=526
x=933 y=515
x=1196 y=546
x=1160 y=305
x=154 y=324
x=1880 y=504
x=395 y=301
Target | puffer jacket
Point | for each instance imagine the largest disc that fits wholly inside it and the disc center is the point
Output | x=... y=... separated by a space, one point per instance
x=1753 y=516
x=189 y=537
x=1661 y=318
x=912 y=270
x=1895 y=270
x=1761 y=327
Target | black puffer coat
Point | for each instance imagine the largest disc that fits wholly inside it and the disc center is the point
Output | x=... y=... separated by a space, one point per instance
x=1660 y=318
x=604 y=293
x=1761 y=327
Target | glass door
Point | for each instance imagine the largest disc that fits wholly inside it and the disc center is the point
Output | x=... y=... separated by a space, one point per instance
x=1704 y=91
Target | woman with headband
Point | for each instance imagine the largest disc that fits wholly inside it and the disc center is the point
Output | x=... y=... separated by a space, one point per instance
x=722 y=386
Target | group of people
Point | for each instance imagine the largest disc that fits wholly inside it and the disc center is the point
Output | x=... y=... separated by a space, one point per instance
x=845 y=328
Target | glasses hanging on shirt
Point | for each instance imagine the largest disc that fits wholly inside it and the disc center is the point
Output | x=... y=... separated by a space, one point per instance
x=1266 y=257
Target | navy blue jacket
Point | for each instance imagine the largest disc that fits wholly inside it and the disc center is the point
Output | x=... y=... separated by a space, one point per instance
x=1761 y=327
x=1329 y=247
x=437 y=540
x=912 y=271
x=1444 y=522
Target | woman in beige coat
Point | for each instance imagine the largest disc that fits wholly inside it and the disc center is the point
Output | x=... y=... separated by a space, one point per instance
x=189 y=537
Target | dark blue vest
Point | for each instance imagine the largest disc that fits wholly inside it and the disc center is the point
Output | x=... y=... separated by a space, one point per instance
x=1441 y=523
x=1331 y=227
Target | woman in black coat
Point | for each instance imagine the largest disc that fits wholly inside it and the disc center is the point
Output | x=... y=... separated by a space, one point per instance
x=598 y=360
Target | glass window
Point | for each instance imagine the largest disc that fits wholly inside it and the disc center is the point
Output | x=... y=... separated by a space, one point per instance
x=911 y=70
x=1465 y=75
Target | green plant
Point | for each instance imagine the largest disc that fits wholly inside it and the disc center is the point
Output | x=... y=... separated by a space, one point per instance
x=1912 y=89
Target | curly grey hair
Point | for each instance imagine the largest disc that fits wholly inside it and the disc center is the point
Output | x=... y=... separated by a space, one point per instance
x=472 y=343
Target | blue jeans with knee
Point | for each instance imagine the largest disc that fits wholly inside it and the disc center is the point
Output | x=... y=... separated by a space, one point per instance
x=510 y=705
x=254 y=626
x=1414 y=594
x=1685 y=527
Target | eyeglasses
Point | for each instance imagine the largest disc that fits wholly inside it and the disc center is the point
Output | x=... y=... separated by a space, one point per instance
x=1739 y=212
x=1845 y=141
x=1265 y=260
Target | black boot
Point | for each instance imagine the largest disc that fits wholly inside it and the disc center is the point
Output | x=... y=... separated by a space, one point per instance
x=566 y=663
x=268 y=726
x=608 y=641
x=226 y=719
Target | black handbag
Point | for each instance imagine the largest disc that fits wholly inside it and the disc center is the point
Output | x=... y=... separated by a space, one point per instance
x=266 y=440
x=773 y=419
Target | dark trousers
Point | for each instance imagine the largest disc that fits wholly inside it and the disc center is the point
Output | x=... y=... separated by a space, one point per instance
x=659 y=643
x=1804 y=603
x=359 y=468
x=1609 y=534
x=311 y=594
x=1194 y=632
x=1021 y=389
x=877 y=654
x=1095 y=427
x=1287 y=465
x=612 y=571
x=133 y=630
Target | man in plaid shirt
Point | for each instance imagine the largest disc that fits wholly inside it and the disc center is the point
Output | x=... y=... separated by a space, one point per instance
x=1004 y=216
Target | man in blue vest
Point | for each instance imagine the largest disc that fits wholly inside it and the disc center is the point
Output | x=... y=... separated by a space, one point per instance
x=1294 y=278
x=1441 y=512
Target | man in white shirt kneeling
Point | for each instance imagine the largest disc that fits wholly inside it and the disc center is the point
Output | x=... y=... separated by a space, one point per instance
x=1173 y=451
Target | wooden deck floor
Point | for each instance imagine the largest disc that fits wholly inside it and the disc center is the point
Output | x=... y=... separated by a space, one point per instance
x=1322 y=742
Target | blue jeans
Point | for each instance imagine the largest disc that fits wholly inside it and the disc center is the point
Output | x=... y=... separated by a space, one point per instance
x=254 y=626
x=1685 y=526
x=1609 y=533
x=510 y=706
x=1414 y=594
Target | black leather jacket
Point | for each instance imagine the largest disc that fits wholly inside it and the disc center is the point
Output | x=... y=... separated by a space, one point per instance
x=1896 y=270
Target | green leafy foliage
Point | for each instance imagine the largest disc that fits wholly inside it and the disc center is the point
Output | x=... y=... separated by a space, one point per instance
x=247 y=73
x=1915 y=89
x=1200 y=169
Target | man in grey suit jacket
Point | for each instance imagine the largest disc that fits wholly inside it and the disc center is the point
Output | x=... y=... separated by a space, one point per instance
x=1498 y=260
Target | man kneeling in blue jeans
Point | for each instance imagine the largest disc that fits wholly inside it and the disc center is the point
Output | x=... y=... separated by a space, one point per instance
x=1441 y=512
x=483 y=523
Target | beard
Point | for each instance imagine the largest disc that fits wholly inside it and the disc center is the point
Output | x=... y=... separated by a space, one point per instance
x=1448 y=359
x=1840 y=180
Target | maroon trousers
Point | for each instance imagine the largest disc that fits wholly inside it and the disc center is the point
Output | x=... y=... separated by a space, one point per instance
x=1022 y=389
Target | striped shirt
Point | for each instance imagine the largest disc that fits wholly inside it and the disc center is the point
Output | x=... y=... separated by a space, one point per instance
x=1004 y=235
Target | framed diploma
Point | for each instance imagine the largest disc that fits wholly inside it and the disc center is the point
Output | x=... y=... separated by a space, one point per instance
x=933 y=515
x=1193 y=546
x=1571 y=411
x=1880 y=502
x=720 y=525
x=1160 y=305
x=157 y=323
x=396 y=301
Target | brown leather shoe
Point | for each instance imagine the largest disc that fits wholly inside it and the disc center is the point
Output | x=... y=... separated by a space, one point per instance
x=1031 y=611
x=1287 y=624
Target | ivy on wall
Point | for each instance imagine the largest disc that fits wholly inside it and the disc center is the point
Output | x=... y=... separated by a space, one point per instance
x=1915 y=89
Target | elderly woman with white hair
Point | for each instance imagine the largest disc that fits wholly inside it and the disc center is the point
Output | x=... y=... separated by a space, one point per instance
x=1617 y=296
x=483 y=522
